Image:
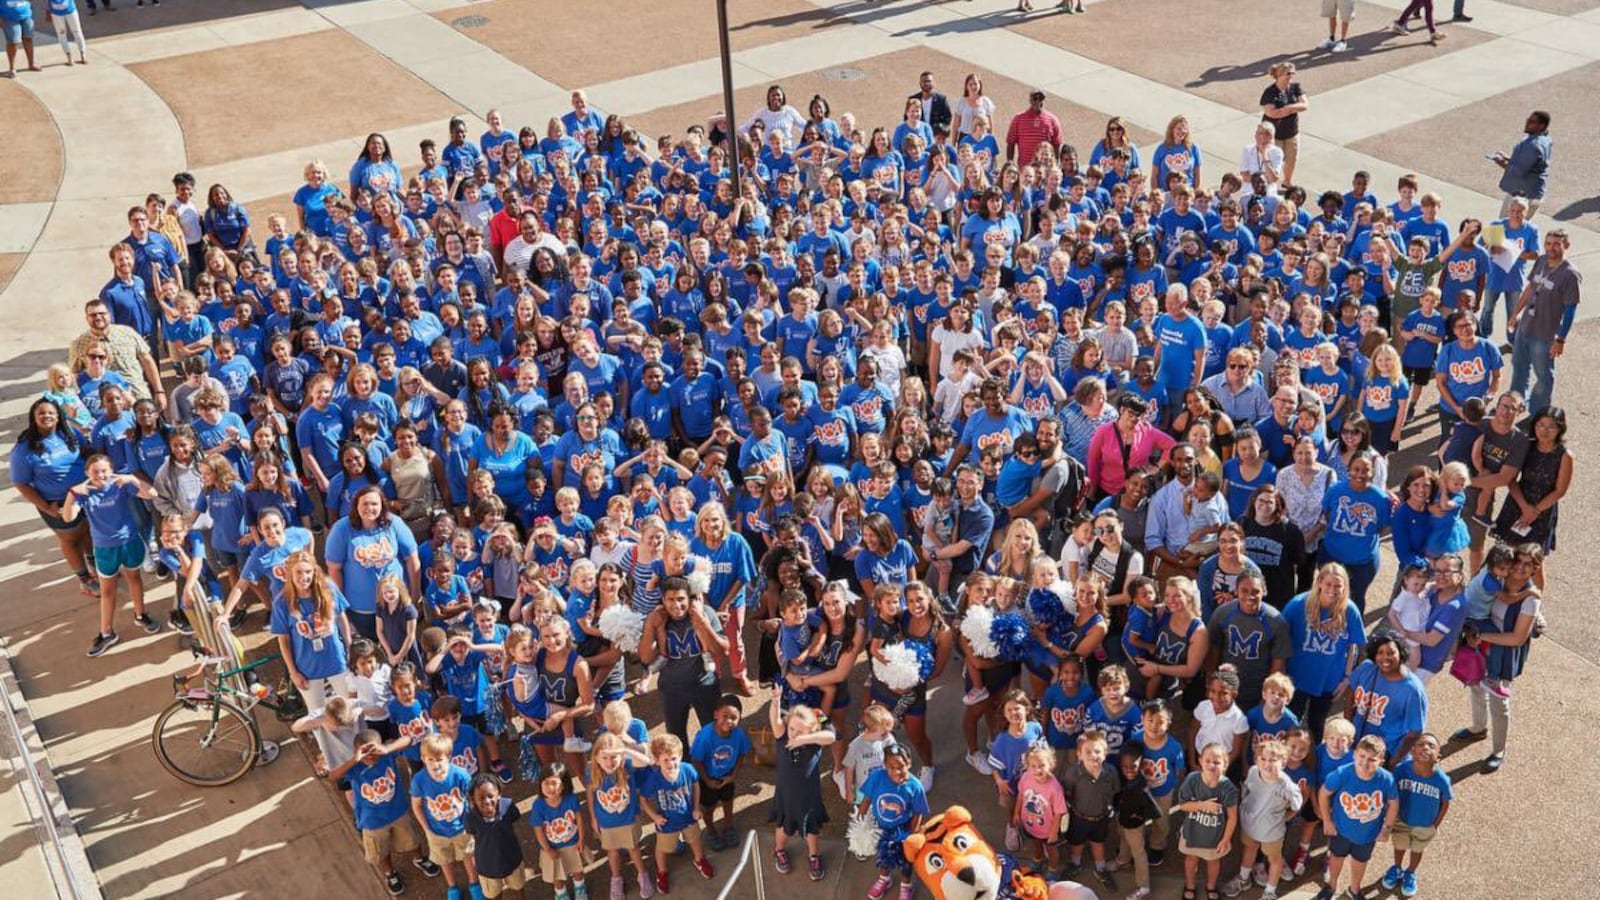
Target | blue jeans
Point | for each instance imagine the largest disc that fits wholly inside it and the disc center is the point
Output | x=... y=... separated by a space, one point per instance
x=1531 y=356
x=1486 y=314
x=1361 y=576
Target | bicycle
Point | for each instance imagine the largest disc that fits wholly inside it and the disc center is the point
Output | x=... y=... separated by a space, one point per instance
x=208 y=737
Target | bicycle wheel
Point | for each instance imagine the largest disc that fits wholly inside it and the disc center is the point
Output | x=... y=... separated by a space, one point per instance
x=208 y=743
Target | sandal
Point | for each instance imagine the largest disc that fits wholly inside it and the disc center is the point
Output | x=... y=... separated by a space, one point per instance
x=1188 y=893
x=1212 y=894
x=780 y=861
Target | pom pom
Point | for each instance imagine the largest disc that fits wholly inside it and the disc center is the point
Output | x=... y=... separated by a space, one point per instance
x=899 y=670
x=1010 y=635
x=700 y=578
x=1047 y=607
x=861 y=837
x=978 y=628
x=924 y=654
x=623 y=627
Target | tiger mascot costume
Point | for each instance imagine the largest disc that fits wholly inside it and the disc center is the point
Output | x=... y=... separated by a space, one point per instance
x=954 y=862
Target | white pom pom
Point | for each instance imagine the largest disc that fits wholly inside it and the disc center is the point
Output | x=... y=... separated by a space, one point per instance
x=622 y=627
x=975 y=628
x=899 y=671
x=861 y=837
x=700 y=578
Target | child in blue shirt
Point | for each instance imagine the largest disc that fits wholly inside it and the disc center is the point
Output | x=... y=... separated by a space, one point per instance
x=1017 y=473
x=898 y=803
x=1358 y=804
x=411 y=711
x=669 y=791
x=1065 y=706
x=378 y=795
x=718 y=749
x=1425 y=795
x=460 y=663
x=466 y=741
x=439 y=797
x=1271 y=720
x=562 y=832
x=1115 y=713
x=1007 y=750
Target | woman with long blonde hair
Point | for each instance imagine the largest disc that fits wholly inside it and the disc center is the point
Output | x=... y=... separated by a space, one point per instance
x=1327 y=634
x=313 y=630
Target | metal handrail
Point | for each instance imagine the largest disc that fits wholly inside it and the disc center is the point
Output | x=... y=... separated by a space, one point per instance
x=750 y=848
x=46 y=815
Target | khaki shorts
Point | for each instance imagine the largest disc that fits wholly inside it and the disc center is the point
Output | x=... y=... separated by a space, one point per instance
x=1186 y=850
x=622 y=837
x=1410 y=837
x=396 y=837
x=449 y=849
x=559 y=865
x=1291 y=151
x=1345 y=9
x=493 y=887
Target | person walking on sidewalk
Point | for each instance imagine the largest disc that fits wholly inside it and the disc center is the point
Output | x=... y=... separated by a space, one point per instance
x=1527 y=169
x=1426 y=8
x=1338 y=13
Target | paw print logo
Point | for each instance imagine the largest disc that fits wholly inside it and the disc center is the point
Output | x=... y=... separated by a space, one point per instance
x=447 y=807
x=380 y=790
x=1361 y=807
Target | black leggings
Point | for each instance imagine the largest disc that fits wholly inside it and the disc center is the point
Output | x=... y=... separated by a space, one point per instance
x=1426 y=7
x=677 y=700
x=1313 y=712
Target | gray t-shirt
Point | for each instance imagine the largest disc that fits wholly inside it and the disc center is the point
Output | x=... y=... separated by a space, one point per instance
x=1250 y=643
x=1203 y=830
x=1553 y=291
x=1265 y=803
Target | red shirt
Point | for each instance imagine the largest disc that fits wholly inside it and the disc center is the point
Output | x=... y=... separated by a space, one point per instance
x=1029 y=129
x=503 y=229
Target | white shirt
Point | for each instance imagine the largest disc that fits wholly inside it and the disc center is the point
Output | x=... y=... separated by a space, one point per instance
x=786 y=119
x=964 y=113
x=519 y=250
x=1253 y=160
x=1215 y=729
x=188 y=220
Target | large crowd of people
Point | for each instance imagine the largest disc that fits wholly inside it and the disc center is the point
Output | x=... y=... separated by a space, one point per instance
x=506 y=432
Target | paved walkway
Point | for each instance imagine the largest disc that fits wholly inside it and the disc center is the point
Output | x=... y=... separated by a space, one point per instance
x=149 y=836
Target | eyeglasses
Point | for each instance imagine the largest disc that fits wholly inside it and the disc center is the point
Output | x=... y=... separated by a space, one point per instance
x=1106 y=529
x=588 y=418
x=1239 y=366
x=98 y=356
x=1447 y=571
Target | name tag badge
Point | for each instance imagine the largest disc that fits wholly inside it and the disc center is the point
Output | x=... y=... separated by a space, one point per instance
x=316 y=645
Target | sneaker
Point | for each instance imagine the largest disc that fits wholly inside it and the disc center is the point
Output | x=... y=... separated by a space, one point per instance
x=580 y=891
x=1497 y=687
x=1325 y=893
x=817 y=871
x=502 y=771
x=1391 y=877
x=780 y=861
x=1461 y=17
x=180 y=623
x=647 y=888
x=1155 y=858
x=1436 y=37
x=1259 y=875
x=394 y=884
x=1340 y=47
x=1106 y=878
x=576 y=744
x=977 y=761
x=975 y=696
x=561 y=894
x=1481 y=519
x=907 y=890
x=1467 y=736
x=1139 y=893
x=703 y=866
x=1326 y=45
x=1298 y=864
x=1270 y=893
x=426 y=866
x=1495 y=761
x=452 y=893
x=1408 y=880
x=149 y=564
x=926 y=777
x=838 y=779
x=880 y=886
x=619 y=888
x=150 y=626
x=102 y=643
x=662 y=885
x=1235 y=886
x=1073 y=867
x=1396 y=28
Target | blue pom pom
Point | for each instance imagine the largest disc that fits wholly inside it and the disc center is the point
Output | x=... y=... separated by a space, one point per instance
x=924 y=658
x=1047 y=608
x=1010 y=633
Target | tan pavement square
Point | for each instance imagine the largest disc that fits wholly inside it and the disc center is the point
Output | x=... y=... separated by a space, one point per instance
x=33 y=146
x=291 y=92
x=575 y=43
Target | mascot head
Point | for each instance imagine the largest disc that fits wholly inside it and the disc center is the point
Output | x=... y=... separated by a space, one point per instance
x=952 y=860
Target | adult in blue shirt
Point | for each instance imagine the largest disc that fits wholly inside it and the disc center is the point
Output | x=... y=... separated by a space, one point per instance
x=367 y=546
x=1447 y=612
x=1527 y=169
x=992 y=224
x=1180 y=346
x=1357 y=512
x=127 y=296
x=312 y=621
x=264 y=569
x=974 y=524
x=733 y=572
x=375 y=169
x=588 y=444
x=885 y=557
x=1387 y=698
x=45 y=463
x=312 y=198
x=1466 y=367
x=226 y=224
x=582 y=118
x=997 y=424
x=16 y=17
x=506 y=454
x=1326 y=636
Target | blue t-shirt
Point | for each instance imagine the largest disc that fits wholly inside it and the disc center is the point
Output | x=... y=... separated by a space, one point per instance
x=731 y=563
x=52 y=470
x=1358 y=805
x=1261 y=730
x=1467 y=370
x=1421 y=797
x=1180 y=340
x=894 y=568
x=894 y=805
x=317 y=647
x=616 y=803
x=1163 y=767
x=1317 y=663
x=1420 y=354
x=110 y=513
x=1381 y=399
x=412 y=720
x=226 y=509
x=380 y=795
x=673 y=799
x=1006 y=750
x=559 y=823
x=715 y=755
x=265 y=565
x=1064 y=715
x=1129 y=726
x=1389 y=709
x=1355 y=521
x=984 y=431
x=465 y=680
x=321 y=432
x=444 y=803
x=367 y=555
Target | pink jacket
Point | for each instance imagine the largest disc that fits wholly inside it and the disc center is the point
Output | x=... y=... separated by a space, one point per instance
x=1106 y=469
